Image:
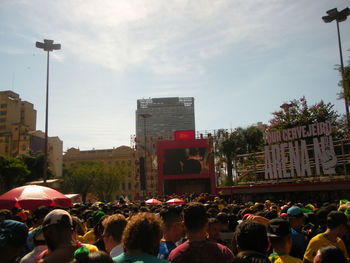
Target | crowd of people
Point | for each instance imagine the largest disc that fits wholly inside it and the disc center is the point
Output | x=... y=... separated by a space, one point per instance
x=200 y=231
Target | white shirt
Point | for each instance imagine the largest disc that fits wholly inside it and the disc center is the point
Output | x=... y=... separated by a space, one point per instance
x=116 y=251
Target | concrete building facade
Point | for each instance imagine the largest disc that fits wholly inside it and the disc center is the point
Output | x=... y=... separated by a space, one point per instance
x=123 y=155
x=17 y=118
x=157 y=119
x=163 y=116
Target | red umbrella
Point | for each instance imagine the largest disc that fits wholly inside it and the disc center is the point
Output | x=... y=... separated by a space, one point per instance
x=153 y=201
x=32 y=196
x=175 y=201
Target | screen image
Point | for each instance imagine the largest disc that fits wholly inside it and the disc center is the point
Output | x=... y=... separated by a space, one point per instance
x=185 y=161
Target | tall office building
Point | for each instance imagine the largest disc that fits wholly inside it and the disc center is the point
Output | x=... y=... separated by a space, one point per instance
x=17 y=118
x=161 y=117
x=158 y=119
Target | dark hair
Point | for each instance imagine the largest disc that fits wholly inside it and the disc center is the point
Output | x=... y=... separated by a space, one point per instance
x=84 y=256
x=170 y=216
x=143 y=232
x=195 y=216
x=114 y=225
x=330 y=254
x=335 y=219
x=251 y=257
x=251 y=235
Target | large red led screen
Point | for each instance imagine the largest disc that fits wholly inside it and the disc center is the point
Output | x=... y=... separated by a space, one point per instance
x=185 y=161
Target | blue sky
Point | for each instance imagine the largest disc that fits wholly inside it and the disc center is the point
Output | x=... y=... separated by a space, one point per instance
x=239 y=59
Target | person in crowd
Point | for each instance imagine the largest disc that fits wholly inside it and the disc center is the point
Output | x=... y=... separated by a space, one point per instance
x=13 y=236
x=197 y=248
x=39 y=246
x=141 y=239
x=296 y=219
x=57 y=229
x=83 y=255
x=173 y=230
x=251 y=257
x=76 y=229
x=37 y=220
x=251 y=236
x=214 y=229
x=112 y=234
x=329 y=254
x=336 y=228
x=280 y=239
x=90 y=237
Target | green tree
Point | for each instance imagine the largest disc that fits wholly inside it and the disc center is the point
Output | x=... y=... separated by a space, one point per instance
x=232 y=145
x=79 y=178
x=299 y=113
x=13 y=173
x=35 y=162
x=106 y=183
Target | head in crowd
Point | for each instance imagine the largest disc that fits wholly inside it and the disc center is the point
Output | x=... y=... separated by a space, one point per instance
x=13 y=236
x=224 y=221
x=195 y=217
x=114 y=226
x=5 y=214
x=296 y=217
x=251 y=235
x=337 y=221
x=57 y=228
x=38 y=236
x=329 y=254
x=251 y=257
x=279 y=235
x=142 y=234
x=173 y=223
x=214 y=228
x=83 y=255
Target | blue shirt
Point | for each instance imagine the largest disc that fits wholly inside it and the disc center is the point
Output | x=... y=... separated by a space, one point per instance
x=165 y=247
x=299 y=244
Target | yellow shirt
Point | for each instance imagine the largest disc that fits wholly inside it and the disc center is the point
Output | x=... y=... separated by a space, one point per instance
x=319 y=241
x=275 y=258
x=88 y=238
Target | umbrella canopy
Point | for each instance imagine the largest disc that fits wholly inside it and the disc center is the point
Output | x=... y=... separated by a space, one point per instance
x=153 y=202
x=175 y=201
x=32 y=196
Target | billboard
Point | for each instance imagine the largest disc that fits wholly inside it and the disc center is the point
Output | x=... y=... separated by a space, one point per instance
x=185 y=161
x=185 y=164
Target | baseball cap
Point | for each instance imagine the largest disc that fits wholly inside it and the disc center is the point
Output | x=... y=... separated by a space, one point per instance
x=58 y=216
x=278 y=227
x=295 y=212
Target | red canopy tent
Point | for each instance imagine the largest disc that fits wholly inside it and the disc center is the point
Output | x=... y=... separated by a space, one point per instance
x=175 y=201
x=153 y=201
x=32 y=196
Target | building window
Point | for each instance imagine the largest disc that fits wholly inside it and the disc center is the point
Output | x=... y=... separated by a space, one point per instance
x=2 y=106
x=3 y=112
x=2 y=119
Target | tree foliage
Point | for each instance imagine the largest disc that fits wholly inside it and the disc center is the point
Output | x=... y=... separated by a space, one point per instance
x=93 y=177
x=240 y=141
x=79 y=178
x=298 y=113
x=107 y=182
x=13 y=173
x=35 y=163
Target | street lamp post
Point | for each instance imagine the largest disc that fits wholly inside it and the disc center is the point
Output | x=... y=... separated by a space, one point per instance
x=143 y=180
x=48 y=46
x=341 y=16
